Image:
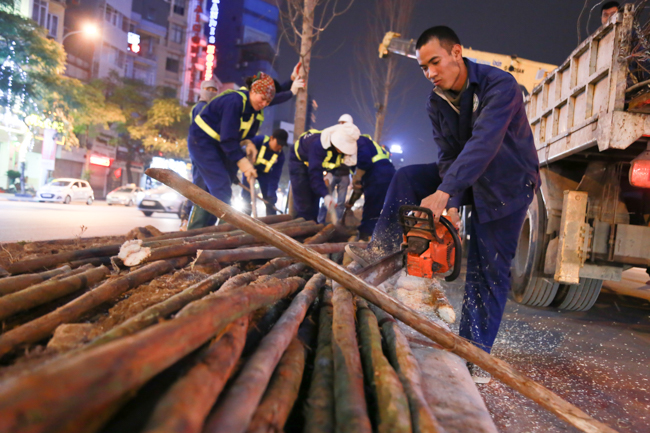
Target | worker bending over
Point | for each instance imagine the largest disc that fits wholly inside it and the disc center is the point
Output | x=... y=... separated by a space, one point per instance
x=266 y=152
x=217 y=132
x=315 y=152
x=372 y=178
x=486 y=158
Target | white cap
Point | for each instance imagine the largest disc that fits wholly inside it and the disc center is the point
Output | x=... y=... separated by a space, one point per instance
x=345 y=118
x=344 y=137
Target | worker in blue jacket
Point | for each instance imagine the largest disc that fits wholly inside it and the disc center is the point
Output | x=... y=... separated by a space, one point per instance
x=486 y=158
x=372 y=177
x=268 y=163
x=217 y=132
x=315 y=152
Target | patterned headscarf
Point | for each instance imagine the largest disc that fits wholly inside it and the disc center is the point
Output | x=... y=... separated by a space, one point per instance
x=264 y=85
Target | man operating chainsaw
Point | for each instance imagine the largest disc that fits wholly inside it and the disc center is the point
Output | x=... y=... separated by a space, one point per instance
x=486 y=158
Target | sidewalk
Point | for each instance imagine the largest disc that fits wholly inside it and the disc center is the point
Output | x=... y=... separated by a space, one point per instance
x=5 y=196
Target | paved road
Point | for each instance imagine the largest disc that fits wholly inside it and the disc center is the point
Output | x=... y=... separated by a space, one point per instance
x=29 y=221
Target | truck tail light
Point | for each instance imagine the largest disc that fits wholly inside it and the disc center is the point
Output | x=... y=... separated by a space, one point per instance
x=640 y=170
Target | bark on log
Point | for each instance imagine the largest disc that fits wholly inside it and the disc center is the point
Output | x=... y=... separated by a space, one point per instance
x=498 y=369
x=95 y=261
x=235 y=412
x=153 y=314
x=408 y=370
x=279 y=398
x=185 y=406
x=20 y=282
x=222 y=228
x=47 y=291
x=392 y=412
x=54 y=395
x=43 y=327
x=322 y=236
x=350 y=409
x=256 y=253
x=224 y=243
x=48 y=262
x=442 y=306
x=319 y=408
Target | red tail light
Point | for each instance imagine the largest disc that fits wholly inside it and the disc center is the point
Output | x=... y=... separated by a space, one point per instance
x=640 y=170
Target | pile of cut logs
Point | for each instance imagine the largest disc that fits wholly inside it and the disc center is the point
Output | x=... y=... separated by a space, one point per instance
x=222 y=330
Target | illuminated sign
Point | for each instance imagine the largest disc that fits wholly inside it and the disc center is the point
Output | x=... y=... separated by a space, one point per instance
x=211 y=60
x=103 y=161
x=134 y=42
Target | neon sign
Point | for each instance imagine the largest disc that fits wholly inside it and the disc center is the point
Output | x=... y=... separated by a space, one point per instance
x=211 y=59
x=104 y=161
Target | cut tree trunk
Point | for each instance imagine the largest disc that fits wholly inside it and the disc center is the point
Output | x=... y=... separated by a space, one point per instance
x=256 y=253
x=306 y=37
x=20 y=282
x=47 y=262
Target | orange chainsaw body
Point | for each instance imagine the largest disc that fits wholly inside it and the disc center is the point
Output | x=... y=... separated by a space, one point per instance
x=437 y=258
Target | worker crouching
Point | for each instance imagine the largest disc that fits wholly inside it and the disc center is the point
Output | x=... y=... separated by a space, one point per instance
x=315 y=152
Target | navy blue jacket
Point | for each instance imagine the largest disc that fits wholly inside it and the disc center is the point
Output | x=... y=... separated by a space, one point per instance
x=486 y=152
x=268 y=163
x=367 y=150
x=232 y=120
x=309 y=151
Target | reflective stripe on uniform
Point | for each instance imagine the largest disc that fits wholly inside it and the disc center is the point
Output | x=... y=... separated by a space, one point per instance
x=332 y=165
x=244 y=126
x=260 y=157
x=381 y=153
x=295 y=147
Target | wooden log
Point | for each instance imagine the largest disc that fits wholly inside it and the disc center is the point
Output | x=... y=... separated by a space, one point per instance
x=20 y=282
x=319 y=408
x=322 y=236
x=351 y=411
x=222 y=228
x=407 y=368
x=497 y=368
x=48 y=262
x=236 y=410
x=441 y=304
x=47 y=291
x=256 y=253
x=224 y=243
x=185 y=406
x=44 y=326
x=58 y=393
x=159 y=311
x=282 y=392
x=391 y=406
x=95 y=261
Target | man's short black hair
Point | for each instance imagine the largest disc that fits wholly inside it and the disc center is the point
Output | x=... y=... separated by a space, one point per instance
x=609 y=5
x=445 y=35
x=281 y=136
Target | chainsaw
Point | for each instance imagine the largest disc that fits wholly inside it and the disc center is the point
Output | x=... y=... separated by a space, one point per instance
x=429 y=248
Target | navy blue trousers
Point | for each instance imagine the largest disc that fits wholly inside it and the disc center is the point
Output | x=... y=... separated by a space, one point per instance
x=268 y=186
x=492 y=247
x=375 y=188
x=305 y=201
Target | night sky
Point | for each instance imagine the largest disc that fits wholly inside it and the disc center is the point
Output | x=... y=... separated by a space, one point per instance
x=543 y=31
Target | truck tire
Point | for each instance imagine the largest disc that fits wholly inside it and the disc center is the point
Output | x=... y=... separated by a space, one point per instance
x=578 y=297
x=529 y=284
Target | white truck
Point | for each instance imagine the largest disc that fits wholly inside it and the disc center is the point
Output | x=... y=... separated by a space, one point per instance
x=590 y=219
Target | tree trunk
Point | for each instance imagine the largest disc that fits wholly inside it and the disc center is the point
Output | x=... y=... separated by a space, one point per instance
x=305 y=57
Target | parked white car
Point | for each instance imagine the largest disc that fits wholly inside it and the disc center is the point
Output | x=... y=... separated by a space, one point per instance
x=161 y=199
x=66 y=190
x=127 y=195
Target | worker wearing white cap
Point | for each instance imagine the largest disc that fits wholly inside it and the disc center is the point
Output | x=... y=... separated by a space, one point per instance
x=315 y=152
x=346 y=118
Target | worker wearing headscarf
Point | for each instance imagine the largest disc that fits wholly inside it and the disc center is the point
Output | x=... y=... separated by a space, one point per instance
x=314 y=152
x=372 y=177
x=217 y=132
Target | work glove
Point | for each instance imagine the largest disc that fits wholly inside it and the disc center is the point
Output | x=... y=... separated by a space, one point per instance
x=296 y=71
x=329 y=202
x=251 y=150
x=297 y=84
x=248 y=170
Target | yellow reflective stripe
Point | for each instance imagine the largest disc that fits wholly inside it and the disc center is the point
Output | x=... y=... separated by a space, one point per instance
x=381 y=153
x=206 y=128
x=267 y=163
x=295 y=147
x=331 y=165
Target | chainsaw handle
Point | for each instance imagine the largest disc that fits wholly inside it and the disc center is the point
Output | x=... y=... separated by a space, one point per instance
x=458 y=249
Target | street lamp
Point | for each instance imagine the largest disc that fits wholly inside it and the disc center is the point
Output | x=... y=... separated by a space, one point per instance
x=89 y=29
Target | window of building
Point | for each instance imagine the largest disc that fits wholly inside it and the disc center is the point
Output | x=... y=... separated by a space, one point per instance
x=39 y=12
x=176 y=33
x=52 y=24
x=179 y=7
x=113 y=16
x=172 y=64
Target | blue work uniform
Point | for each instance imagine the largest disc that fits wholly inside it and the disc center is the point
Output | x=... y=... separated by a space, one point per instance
x=486 y=158
x=379 y=171
x=307 y=162
x=187 y=204
x=215 y=136
x=269 y=169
